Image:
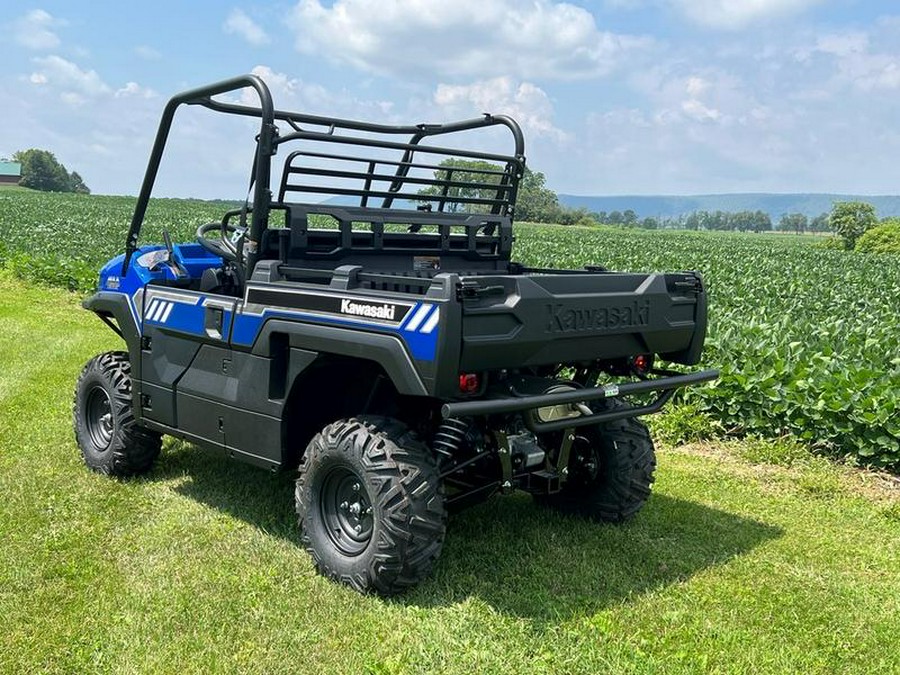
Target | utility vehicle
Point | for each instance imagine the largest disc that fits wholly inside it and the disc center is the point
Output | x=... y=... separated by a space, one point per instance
x=365 y=325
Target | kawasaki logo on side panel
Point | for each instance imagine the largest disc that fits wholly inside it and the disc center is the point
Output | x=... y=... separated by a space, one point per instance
x=370 y=310
x=391 y=313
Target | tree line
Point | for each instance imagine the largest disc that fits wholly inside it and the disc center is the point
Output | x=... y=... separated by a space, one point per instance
x=538 y=203
x=42 y=171
x=741 y=221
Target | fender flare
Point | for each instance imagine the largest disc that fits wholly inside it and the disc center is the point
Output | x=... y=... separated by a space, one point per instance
x=116 y=305
x=385 y=350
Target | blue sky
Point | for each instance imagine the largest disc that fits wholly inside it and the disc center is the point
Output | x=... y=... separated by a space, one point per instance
x=615 y=96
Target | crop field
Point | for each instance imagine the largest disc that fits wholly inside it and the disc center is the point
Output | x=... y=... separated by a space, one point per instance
x=807 y=339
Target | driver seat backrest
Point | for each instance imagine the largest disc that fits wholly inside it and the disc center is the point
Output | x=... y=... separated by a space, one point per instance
x=219 y=281
x=210 y=279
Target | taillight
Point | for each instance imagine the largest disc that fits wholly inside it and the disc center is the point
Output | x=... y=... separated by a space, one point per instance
x=469 y=383
x=642 y=363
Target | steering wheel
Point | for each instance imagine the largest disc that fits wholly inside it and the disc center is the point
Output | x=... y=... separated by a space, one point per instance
x=222 y=246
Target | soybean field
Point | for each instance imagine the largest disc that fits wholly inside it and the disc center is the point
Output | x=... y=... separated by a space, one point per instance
x=807 y=338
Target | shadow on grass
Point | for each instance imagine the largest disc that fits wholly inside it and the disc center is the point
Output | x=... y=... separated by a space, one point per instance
x=538 y=564
x=517 y=557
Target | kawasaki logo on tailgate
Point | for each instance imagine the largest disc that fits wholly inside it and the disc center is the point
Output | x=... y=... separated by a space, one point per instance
x=566 y=319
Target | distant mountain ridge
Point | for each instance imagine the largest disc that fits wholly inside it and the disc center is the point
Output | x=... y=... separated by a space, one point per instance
x=775 y=204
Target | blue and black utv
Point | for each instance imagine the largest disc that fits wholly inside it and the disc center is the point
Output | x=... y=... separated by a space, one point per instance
x=365 y=325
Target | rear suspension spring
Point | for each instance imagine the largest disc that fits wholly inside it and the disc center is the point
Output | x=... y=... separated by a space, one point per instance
x=450 y=436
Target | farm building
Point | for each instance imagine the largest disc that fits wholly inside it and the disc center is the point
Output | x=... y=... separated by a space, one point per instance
x=10 y=173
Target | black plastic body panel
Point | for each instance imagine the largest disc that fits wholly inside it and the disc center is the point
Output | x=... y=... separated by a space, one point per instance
x=386 y=350
x=541 y=319
x=115 y=305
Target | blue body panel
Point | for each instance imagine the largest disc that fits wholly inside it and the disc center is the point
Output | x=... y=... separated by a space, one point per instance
x=193 y=257
x=419 y=331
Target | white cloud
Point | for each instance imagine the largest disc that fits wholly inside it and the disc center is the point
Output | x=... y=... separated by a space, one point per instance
x=72 y=98
x=465 y=38
x=76 y=86
x=698 y=111
x=696 y=85
x=843 y=44
x=807 y=111
x=291 y=93
x=134 y=89
x=856 y=60
x=627 y=5
x=73 y=83
x=280 y=84
x=34 y=30
x=737 y=14
x=525 y=102
x=870 y=72
x=238 y=23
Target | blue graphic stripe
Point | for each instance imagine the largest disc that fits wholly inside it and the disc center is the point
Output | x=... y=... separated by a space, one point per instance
x=422 y=346
x=420 y=336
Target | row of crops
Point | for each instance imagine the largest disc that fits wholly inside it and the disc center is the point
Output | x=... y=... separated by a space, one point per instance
x=807 y=339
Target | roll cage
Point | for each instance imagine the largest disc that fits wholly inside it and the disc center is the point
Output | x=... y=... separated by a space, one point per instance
x=363 y=163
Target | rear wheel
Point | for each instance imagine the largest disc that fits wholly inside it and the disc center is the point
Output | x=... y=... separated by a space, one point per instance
x=370 y=505
x=110 y=440
x=610 y=471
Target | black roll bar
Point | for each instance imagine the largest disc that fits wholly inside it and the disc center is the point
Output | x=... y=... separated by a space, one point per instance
x=265 y=148
x=269 y=140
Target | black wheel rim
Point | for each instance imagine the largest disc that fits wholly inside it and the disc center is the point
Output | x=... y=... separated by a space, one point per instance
x=346 y=511
x=99 y=418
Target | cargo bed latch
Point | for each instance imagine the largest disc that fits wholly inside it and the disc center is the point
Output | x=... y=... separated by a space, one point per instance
x=689 y=283
x=471 y=290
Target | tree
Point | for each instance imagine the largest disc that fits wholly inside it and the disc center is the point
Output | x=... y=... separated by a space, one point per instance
x=692 y=221
x=850 y=220
x=761 y=221
x=883 y=238
x=796 y=222
x=465 y=171
x=77 y=184
x=42 y=171
x=820 y=223
x=535 y=202
x=742 y=220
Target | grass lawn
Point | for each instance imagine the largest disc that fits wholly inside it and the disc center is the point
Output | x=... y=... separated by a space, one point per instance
x=735 y=565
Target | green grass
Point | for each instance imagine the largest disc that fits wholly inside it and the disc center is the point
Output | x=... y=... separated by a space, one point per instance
x=737 y=564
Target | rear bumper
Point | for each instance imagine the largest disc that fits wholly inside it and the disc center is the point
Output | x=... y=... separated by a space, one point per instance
x=665 y=385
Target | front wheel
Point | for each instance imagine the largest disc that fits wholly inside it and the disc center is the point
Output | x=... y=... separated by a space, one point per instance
x=610 y=471
x=110 y=440
x=370 y=505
